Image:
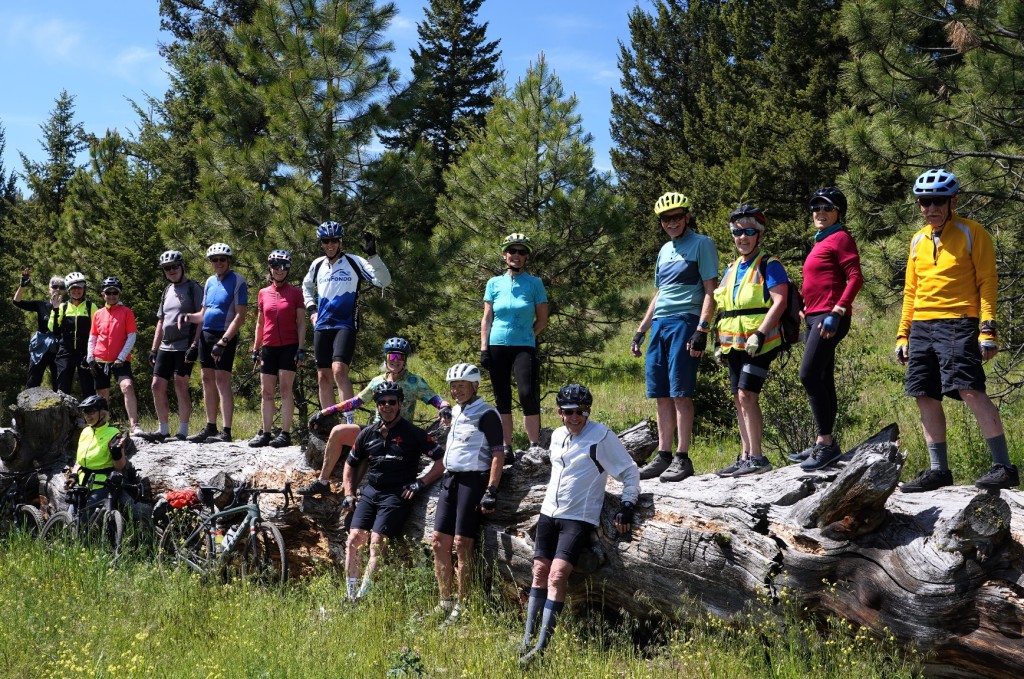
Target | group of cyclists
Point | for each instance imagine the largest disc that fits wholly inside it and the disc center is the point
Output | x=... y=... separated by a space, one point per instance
x=947 y=330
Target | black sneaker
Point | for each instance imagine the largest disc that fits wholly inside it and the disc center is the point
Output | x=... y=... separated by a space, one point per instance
x=679 y=469
x=318 y=487
x=802 y=455
x=655 y=467
x=202 y=436
x=153 y=436
x=753 y=465
x=180 y=437
x=731 y=469
x=821 y=456
x=1000 y=476
x=261 y=439
x=219 y=437
x=282 y=440
x=929 y=479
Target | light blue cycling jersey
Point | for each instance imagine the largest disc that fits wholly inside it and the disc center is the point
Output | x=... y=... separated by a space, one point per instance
x=220 y=297
x=679 y=274
x=514 y=299
x=333 y=295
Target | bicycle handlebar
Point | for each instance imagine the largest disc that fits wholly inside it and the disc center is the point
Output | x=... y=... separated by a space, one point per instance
x=243 y=490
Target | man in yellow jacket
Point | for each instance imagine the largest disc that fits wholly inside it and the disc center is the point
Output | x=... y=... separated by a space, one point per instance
x=948 y=328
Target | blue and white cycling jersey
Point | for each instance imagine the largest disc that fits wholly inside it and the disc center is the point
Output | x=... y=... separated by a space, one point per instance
x=334 y=293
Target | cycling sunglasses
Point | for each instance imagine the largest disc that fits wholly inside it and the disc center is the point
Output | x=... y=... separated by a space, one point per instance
x=822 y=208
x=928 y=201
x=387 y=402
x=745 y=231
x=517 y=251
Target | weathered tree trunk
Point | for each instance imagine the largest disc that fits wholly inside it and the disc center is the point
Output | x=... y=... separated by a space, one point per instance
x=941 y=570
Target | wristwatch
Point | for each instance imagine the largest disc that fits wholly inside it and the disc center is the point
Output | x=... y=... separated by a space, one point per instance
x=704 y=326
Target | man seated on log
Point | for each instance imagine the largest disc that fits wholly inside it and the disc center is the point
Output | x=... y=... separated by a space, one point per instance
x=389 y=450
x=948 y=328
x=473 y=458
x=583 y=454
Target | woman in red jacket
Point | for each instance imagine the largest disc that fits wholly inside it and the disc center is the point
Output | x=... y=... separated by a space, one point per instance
x=832 y=278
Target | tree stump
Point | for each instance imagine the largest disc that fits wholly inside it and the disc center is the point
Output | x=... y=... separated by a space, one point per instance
x=641 y=440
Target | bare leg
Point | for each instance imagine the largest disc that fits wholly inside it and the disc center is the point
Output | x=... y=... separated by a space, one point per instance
x=532 y=425
x=325 y=387
x=130 y=403
x=340 y=371
x=684 y=424
x=666 y=423
x=211 y=397
x=442 y=546
x=268 y=392
x=227 y=397
x=163 y=408
x=287 y=379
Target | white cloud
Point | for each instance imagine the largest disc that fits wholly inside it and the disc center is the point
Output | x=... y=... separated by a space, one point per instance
x=48 y=39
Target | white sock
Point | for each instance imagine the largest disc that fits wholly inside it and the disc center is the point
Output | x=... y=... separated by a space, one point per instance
x=183 y=428
x=353 y=585
x=164 y=428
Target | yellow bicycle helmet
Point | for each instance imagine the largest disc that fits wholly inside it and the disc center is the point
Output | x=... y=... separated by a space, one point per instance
x=516 y=239
x=671 y=201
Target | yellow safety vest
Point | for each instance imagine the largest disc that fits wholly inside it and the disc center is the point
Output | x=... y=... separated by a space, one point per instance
x=740 y=315
x=94 y=454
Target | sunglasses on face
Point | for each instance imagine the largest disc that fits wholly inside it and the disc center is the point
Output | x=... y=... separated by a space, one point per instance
x=936 y=200
x=90 y=411
x=822 y=208
x=396 y=357
x=111 y=292
x=330 y=241
x=573 y=411
x=172 y=267
x=56 y=287
x=280 y=267
x=745 y=231
x=218 y=260
x=674 y=219
x=77 y=287
x=387 y=402
x=517 y=251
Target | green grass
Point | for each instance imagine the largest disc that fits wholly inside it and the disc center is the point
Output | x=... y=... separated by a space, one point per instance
x=68 y=614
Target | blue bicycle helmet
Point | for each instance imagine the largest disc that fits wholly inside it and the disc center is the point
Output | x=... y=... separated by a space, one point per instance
x=330 y=229
x=936 y=182
x=397 y=345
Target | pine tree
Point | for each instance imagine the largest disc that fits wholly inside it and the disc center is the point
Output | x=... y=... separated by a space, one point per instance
x=728 y=103
x=531 y=170
x=63 y=139
x=936 y=84
x=454 y=69
x=13 y=332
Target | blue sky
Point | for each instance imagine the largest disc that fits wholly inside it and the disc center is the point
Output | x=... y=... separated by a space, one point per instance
x=104 y=52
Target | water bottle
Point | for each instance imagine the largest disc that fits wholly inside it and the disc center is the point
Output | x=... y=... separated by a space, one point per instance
x=232 y=534
x=218 y=539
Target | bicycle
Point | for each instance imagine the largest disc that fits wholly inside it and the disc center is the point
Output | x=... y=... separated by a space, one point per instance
x=15 y=514
x=99 y=522
x=233 y=542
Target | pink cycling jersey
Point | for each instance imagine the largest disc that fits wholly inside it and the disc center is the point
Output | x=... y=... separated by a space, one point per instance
x=278 y=307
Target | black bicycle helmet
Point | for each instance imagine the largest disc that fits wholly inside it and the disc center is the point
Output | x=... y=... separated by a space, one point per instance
x=388 y=388
x=111 y=282
x=94 y=402
x=748 y=210
x=574 y=396
x=832 y=196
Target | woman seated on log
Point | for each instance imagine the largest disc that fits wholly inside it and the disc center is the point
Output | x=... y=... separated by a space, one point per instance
x=102 y=451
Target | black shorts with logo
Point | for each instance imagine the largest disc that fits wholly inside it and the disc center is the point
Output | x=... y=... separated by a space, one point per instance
x=382 y=511
x=944 y=358
x=334 y=346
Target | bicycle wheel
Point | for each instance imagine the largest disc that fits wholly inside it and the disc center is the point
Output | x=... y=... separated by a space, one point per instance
x=185 y=543
x=28 y=520
x=60 y=527
x=112 y=532
x=264 y=558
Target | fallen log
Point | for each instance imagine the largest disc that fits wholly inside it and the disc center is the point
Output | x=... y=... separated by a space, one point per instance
x=943 y=571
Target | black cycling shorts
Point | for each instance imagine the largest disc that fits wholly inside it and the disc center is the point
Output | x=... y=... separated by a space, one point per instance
x=171 y=363
x=207 y=340
x=382 y=511
x=748 y=372
x=563 y=539
x=334 y=346
x=118 y=373
x=944 y=358
x=458 y=504
x=276 y=359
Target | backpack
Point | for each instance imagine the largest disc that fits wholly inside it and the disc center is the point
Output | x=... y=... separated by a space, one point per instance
x=791 y=322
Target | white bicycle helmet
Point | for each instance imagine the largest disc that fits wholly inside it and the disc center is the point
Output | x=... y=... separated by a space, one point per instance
x=937 y=182
x=219 y=249
x=171 y=257
x=463 y=371
x=74 y=278
x=280 y=257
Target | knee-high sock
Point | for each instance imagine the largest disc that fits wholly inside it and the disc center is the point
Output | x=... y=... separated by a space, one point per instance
x=538 y=595
x=548 y=622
